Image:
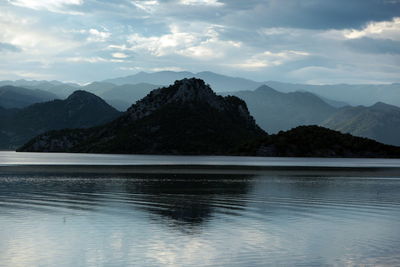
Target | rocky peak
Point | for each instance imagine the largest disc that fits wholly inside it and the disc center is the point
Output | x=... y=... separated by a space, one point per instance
x=185 y=91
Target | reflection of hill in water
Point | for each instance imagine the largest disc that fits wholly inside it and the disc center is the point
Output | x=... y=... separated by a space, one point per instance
x=184 y=201
x=187 y=199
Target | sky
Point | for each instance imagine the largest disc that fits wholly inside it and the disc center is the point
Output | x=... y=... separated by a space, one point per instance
x=299 y=41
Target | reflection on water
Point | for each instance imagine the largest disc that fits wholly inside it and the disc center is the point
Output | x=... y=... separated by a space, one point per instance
x=198 y=219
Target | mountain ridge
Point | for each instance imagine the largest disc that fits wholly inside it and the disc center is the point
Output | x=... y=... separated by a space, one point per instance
x=81 y=109
x=184 y=118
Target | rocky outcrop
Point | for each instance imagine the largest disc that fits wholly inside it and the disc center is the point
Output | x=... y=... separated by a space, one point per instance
x=184 y=118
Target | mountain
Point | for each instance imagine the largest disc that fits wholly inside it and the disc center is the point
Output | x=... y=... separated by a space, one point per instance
x=275 y=111
x=354 y=94
x=334 y=103
x=220 y=83
x=337 y=95
x=98 y=87
x=380 y=122
x=184 y=118
x=161 y=77
x=120 y=105
x=189 y=118
x=127 y=93
x=81 y=109
x=18 y=97
x=60 y=89
x=315 y=141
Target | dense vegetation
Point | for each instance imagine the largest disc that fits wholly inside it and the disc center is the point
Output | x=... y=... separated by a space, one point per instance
x=315 y=141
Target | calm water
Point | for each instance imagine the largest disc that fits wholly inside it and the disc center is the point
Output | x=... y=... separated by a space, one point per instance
x=198 y=219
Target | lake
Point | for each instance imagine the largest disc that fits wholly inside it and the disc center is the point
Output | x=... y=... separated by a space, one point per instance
x=134 y=210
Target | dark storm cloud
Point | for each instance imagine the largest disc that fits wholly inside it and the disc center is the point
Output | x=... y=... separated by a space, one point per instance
x=312 y=14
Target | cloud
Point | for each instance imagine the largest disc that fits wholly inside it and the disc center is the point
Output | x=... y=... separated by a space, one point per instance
x=384 y=29
x=119 y=55
x=86 y=59
x=146 y=5
x=339 y=14
x=202 y=44
x=269 y=59
x=215 y=3
x=58 y=6
x=287 y=40
x=9 y=47
x=98 y=36
x=375 y=46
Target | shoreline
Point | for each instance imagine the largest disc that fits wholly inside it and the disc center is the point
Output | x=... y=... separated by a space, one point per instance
x=200 y=169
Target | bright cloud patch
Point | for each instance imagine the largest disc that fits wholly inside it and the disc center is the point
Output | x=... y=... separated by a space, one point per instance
x=119 y=55
x=201 y=45
x=269 y=59
x=146 y=5
x=384 y=29
x=50 y=5
x=98 y=36
x=202 y=2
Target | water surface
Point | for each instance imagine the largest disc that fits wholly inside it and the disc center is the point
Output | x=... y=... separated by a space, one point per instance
x=199 y=219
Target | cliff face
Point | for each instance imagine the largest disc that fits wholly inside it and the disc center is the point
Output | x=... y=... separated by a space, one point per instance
x=184 y=118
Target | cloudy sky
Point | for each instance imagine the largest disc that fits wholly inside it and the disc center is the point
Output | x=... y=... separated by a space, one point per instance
x=305 y=41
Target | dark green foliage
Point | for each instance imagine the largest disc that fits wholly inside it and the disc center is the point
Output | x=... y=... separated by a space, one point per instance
x=315 y=141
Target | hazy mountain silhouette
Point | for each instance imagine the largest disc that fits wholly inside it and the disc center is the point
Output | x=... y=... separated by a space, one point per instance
x=79 y=110
x=122 y=96
x=18 y=97
x=60 y=89
x=220 y=83
x=354 y=94
x=337 y=95
x=275 y=111
x=380 y=122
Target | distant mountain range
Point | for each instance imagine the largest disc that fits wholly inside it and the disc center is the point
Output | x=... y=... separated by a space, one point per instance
x=189 y=118
x=17 y=97
x=337 y=95
x=275 y=111
x=121 y=96
x=353 y=94
x=220 y=83
x=380 y=122
x=275 y=106
x=359 y=94
x=81 y=109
